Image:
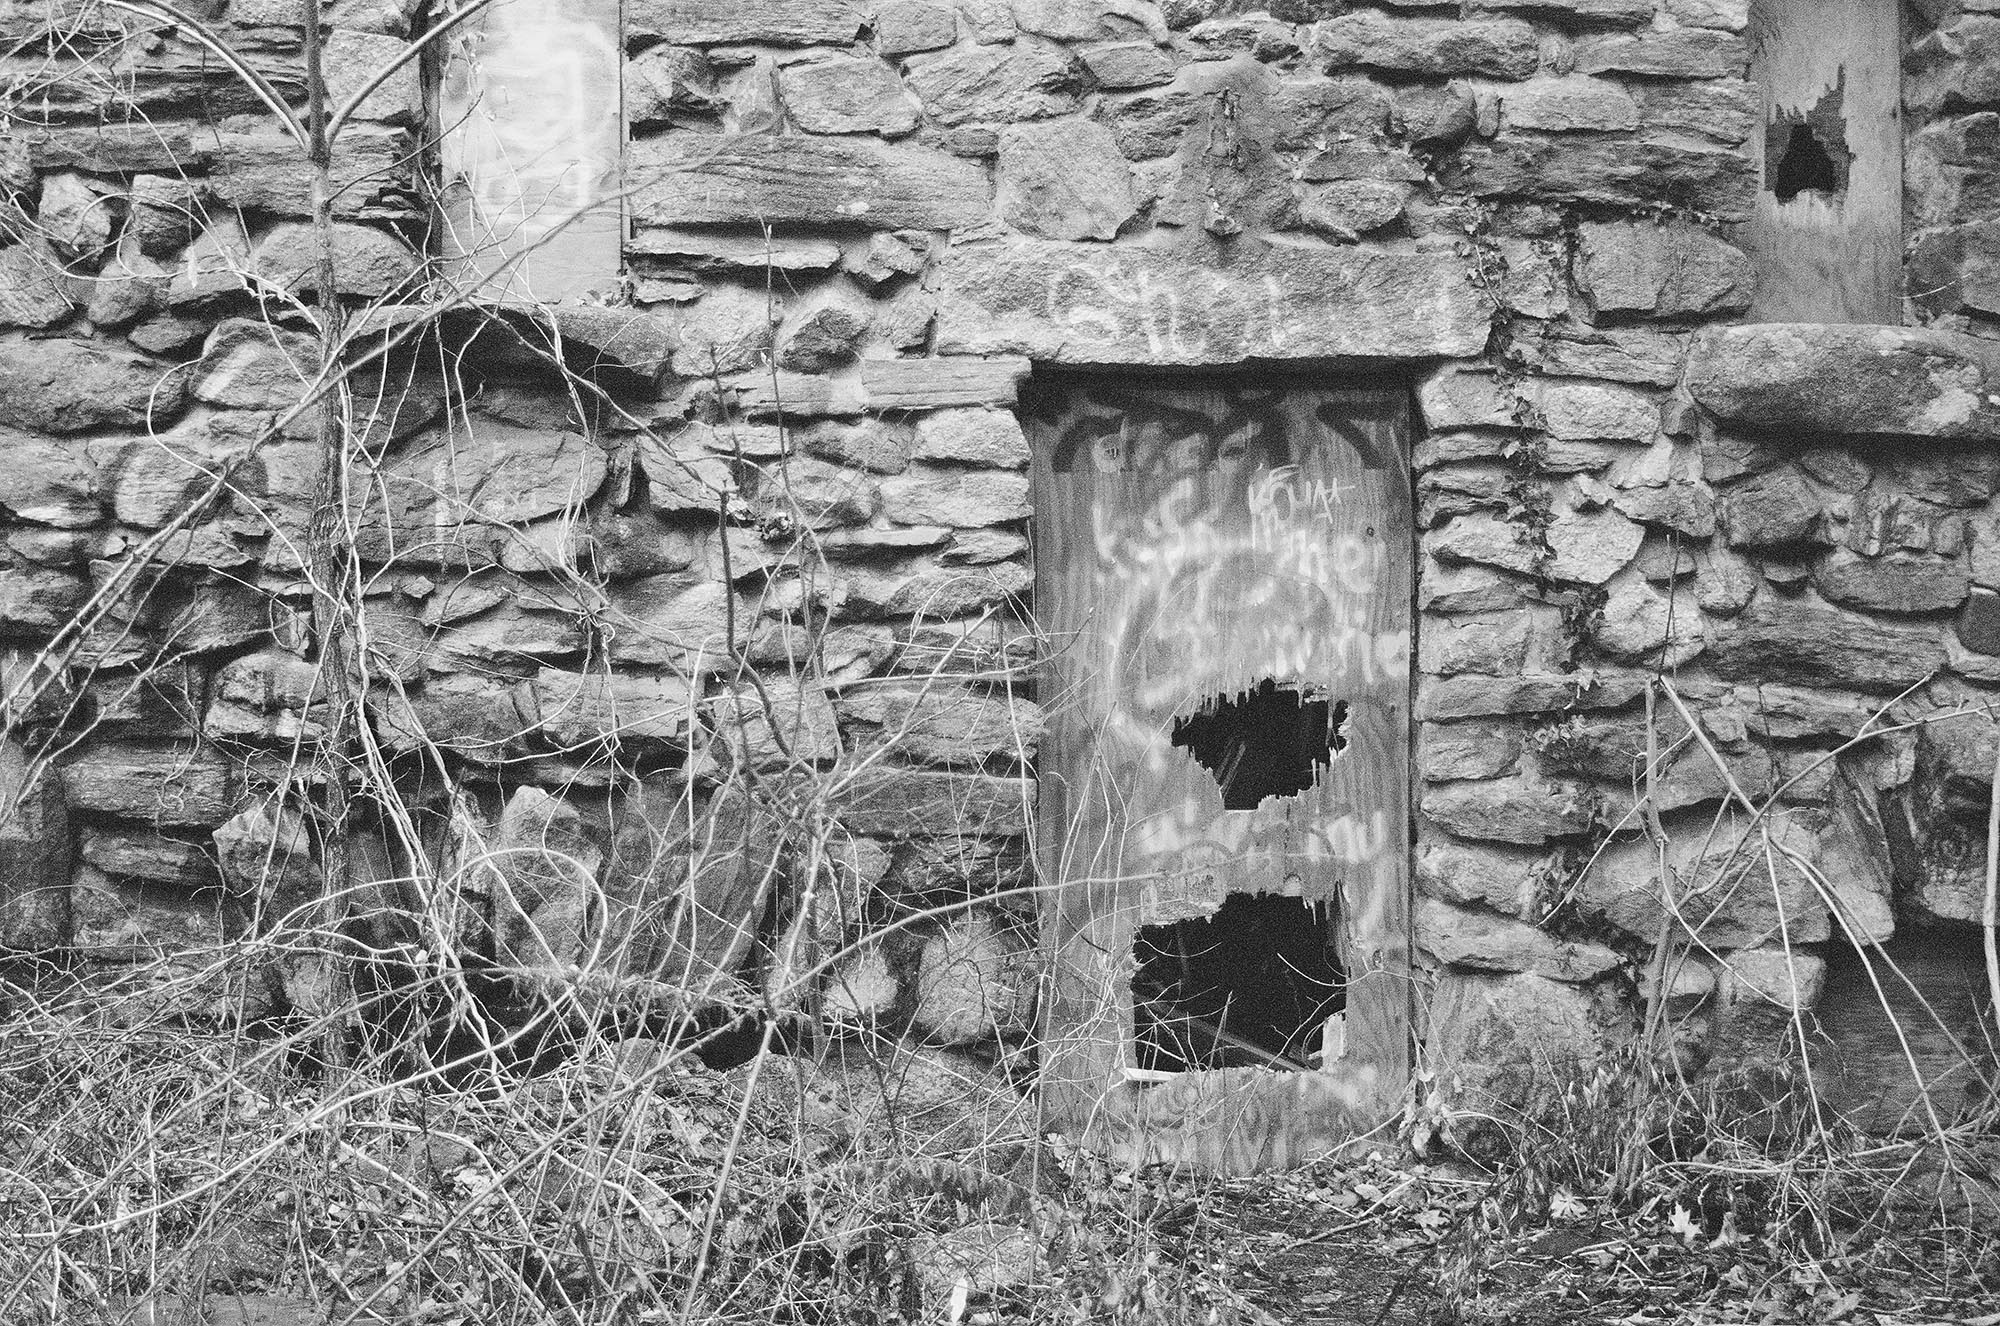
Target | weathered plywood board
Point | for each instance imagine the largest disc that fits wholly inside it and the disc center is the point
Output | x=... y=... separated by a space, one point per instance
x=531 y=133
x=1189 y=543
x=1833 y=67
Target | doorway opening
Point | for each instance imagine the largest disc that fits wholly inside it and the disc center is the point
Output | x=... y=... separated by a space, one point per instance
x=1254 y=985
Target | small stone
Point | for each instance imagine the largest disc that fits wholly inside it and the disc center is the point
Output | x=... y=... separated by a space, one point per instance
x=870 y=444
x=1430 y=47
x=1064 y=181
x=31 y=286
x=1672 y=271
x=847 y=95
x=1501 y=1043
x=1979 y=622
x=1504 y=879
x=975 y=982
x=1128 y=64
x=1770 y=510
x=130 y=920
x=77 y=215
x=1481 y=941
x=987 y=84
x=1448 y=752
x=947 y=724
x=905 y=27
x=777 y=723
x=1435 y=118
x=1896 y=582
x=1806 y=641
x=367 y=263
x=266 y=852
x=963 y=498
x=1347 y=210
x=250 y=365
x=65 y=386
x=34 y=857
x=1583 y=411
x=1522 y=810
x=665 y=81
x=1572 y=104
x=990 y=438
x=1641 y=624
x=823 y=339
x=215 y=263
x=130 y=286
x=1665 y=53
x=861 y=990
x=542 y=871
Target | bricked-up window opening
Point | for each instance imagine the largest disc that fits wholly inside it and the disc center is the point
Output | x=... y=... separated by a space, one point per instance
x=1251 y=986
x=1269 y=741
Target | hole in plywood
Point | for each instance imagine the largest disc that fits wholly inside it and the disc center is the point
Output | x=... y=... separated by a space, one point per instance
x=1251 y=986
x=1805 y=151
x=1269 y=741
x=1806 y=164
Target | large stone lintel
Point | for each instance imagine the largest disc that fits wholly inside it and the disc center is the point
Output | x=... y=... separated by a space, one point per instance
x=1088 y=304
x=847 y=183
x=1856 y=380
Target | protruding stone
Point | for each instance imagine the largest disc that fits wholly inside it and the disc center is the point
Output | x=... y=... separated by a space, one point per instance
x=1839 y=379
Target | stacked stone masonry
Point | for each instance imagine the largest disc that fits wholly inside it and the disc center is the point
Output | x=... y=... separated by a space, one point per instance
x=757 y=520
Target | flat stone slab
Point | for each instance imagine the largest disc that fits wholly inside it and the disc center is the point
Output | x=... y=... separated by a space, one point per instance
x=1819 y=377
x=845 y=183
x=1084 y=303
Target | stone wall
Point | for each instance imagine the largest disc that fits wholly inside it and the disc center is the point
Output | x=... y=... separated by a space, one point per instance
x=715 y=591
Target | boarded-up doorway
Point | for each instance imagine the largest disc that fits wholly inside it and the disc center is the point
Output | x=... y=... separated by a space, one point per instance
x=1224 y=575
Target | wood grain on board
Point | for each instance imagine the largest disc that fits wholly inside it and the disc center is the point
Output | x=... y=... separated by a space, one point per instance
x=1829 y=256
x=531 y=136
x=1192 y=542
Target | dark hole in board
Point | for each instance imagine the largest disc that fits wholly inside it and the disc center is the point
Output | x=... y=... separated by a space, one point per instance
x=1250 y=986
x=1270 y=741
x=1806 y=164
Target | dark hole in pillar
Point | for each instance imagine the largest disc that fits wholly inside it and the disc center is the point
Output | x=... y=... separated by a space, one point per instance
x=1250 y=986
x=1269 y=741
x=1806 y=164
